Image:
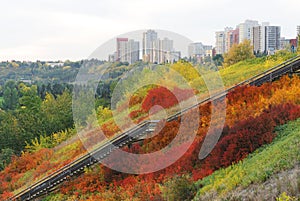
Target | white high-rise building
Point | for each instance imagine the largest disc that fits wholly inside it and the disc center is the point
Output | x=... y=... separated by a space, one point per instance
x=298 y=30
x=133 y=51
x=258 y=38
x=158 y=51
x=150 y=44
x=165 y=47
x=167 y=44
x=220 y=42
x=127 y=51
x=122 y=49
x=265 y=38
x=245 y=30
x=272 y=38
x=228 y=39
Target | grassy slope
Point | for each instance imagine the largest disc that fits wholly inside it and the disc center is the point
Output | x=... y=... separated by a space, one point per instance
x=281 y=155
x=237 y=73
x=231 y=75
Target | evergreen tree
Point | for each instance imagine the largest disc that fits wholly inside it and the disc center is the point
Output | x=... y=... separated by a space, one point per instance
x=10 y=96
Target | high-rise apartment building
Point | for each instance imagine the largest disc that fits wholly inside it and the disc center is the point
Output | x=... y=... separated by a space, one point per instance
x=150 y=44
x=127 y=51
x=265 y=38
x=156 y=50
x=165 y=47
x=220 y=42
x=228 y=38
x=225 y=39
x=231 y=38
x=257 y=39
x=166 y=44
x=245 y=30
x=133 y=51
x=272 y=38
x=121 y=49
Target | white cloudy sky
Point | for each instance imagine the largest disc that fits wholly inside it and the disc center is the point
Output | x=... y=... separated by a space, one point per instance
x=73 y=29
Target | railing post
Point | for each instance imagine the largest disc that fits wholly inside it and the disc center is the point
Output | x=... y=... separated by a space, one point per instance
x=29 y=192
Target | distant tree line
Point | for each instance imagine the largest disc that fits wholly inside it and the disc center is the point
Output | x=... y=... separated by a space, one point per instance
x=25 y=115
x=43 y=106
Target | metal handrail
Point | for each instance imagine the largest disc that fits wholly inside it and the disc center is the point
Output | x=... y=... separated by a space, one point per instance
x=86 y=156
x=140 y=125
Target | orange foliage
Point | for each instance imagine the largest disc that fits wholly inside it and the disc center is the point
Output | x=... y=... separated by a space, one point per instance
x=164 y=97
x=110 y=128
x=252 y=114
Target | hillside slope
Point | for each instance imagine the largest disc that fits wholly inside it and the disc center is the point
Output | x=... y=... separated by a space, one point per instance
x=263 y=175
x=253 y=114
x=271 y=104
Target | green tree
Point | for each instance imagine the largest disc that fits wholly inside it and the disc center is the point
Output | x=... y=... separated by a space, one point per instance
x=83 y=105
x=238 y=52
x=57 y=112
x=1 y=90
x=5 y=157
x=11 y=134
x=10 y=96
x=30 y=101
x=29 y=114
x=218 y=60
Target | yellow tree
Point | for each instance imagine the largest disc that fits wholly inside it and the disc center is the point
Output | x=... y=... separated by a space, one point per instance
x=186 y=70
x=238 y=52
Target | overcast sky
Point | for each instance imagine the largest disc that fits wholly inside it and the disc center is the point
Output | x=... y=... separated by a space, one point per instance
x=73 y=29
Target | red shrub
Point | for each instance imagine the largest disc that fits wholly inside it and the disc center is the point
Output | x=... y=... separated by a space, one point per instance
x=164 y=97
x=136 y=113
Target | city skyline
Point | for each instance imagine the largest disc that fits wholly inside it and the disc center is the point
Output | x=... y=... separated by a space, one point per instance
x=264 y=37
x=133 y=48
x=60 y=30
x=153 y=49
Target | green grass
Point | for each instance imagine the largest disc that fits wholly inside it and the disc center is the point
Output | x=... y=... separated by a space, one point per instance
x=282 y=154
x=251 y=67
x=231 y=75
